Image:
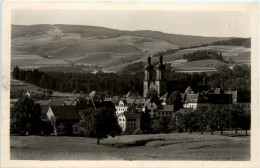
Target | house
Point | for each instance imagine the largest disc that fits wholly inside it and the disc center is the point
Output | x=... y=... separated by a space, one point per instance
x=191 y=101
x=242 y=99
x=121 y=107
x=129 y=121
x=194 y=89
x=164 y=98
x=64 y=119
x=150 y=107
x=165 y=111
x=133 y=95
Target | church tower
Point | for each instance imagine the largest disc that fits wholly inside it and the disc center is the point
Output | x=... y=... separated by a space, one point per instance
x=160 y=83
x=148 y=72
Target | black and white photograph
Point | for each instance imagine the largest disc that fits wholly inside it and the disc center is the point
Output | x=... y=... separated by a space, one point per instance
x=131 y=83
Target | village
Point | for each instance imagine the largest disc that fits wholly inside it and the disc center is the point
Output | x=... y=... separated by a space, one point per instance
x=64 y=112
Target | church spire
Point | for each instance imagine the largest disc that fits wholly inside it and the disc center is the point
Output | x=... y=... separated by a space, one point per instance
x=149 y=65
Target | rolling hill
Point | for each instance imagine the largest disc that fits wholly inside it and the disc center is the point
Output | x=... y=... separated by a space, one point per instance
x=90 y=45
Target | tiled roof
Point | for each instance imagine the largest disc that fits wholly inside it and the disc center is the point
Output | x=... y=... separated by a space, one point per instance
x=147 y=101
x=70 y=102
x=133 y=95
x=43 y=102
x=114 y=99
x=56 y=102
x=167 y=108
x=65 y=113
x=138 y=101
x=130 y=114
x=130 y=100
x=191 y=98
x=199 y=88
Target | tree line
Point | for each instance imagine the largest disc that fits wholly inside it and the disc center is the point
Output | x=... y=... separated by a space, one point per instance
x=204 y=119
x=246 y=42
x=200 y=55
x=238 y=78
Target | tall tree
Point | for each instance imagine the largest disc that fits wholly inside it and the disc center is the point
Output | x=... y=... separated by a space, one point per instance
x=175 y=99
x=200 y=114
x=16 y=72
x=26 y=117
x=99 y=122
x=153 y=95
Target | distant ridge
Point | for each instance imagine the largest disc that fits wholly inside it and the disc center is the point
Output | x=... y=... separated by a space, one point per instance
x=92 y=31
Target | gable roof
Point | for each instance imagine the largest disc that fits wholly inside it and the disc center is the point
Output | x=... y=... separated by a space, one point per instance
x=131 y=94
x=166 y=108
x=199 y=88
x=130 y=101
x=138 y=101
x=65 y=113
x=165 y=95
x=191 y=98
x=130 y=114
x=56 y=102
x=70 y=102
x=147 y=101
x=215 y=91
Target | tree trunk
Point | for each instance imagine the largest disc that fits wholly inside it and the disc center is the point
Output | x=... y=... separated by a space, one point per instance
x=236 y=131
x=202 y=132
x=211 y=132
x=97 y=141
x=190 y=131
x=221 y=132
x=246 y=132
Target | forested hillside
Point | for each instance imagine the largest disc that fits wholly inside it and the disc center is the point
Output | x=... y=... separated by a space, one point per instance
x=237 y=79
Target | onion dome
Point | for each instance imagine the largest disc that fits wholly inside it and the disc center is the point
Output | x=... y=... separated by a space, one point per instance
x=149 y=66
x=160 y=65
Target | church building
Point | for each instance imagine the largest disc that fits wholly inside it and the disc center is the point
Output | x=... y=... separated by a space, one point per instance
x=158 y=80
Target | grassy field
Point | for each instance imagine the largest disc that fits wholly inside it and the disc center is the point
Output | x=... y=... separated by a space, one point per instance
x=31 y=45
x=237 y=53
x=177 y=146
x=19 y=85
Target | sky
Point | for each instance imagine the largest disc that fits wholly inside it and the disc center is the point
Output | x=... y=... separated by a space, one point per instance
x=201 y=23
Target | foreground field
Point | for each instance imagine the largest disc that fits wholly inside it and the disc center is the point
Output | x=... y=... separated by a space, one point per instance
x=132 y=147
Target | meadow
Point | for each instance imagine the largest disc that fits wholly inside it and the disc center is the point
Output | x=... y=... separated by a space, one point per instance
x=236 y=53
x=35 y=46
x=175 y=146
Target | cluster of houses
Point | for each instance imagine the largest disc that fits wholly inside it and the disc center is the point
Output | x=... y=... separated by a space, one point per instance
x=64 y=114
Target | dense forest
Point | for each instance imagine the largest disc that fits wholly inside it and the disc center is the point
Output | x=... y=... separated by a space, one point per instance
x=238 y=78
x=246 y=42
x=199 y=55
